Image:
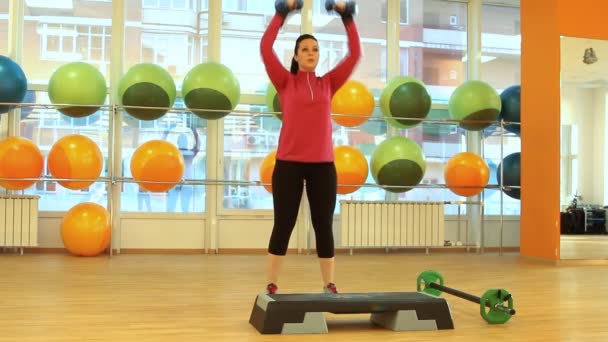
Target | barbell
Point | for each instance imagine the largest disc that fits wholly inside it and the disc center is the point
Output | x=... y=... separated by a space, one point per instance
x=492 y=303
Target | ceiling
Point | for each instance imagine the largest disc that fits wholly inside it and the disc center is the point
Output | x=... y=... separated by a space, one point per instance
x=574 y=71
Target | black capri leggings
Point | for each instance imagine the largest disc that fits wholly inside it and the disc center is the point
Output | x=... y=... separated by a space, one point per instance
x=321 y=188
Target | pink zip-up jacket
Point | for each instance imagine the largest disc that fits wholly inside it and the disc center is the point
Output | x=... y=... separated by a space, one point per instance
x=306 y=133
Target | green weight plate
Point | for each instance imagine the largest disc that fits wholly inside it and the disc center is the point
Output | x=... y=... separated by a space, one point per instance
x=496 y=312
x=428 y=277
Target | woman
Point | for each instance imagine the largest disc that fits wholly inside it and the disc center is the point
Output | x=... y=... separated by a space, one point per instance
x=305 y=150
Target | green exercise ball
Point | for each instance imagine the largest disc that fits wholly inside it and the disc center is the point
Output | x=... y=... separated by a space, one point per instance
x=476 y=101
x=405 y=98
x=147 y=85
x=211 y=90
x=273 y=102
x=398 y=161
x=77 y=83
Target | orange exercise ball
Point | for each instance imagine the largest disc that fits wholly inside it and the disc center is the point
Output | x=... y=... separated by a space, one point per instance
x=352 y=168
x=19 y=158
x=355 y=100
x=157 y=161
x=75 y=156
x=466 y=174
x=267 y=168
x=85 y=229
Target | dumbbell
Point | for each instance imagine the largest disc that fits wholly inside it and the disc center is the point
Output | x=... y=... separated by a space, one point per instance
x=282 y=6
x=350 y=7
x=492 y=307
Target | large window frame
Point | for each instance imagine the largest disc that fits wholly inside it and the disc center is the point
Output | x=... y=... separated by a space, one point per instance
x=67 y=46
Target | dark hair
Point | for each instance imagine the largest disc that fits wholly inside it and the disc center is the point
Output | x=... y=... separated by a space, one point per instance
x=294 y=64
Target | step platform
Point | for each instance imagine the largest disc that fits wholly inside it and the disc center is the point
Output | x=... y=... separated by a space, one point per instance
x=303 y=313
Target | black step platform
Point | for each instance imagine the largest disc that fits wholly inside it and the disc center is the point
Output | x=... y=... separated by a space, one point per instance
x=303 y=313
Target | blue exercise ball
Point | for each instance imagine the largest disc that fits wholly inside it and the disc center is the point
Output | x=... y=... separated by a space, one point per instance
x=13 y=83
x=511 y=173
x=511 y=108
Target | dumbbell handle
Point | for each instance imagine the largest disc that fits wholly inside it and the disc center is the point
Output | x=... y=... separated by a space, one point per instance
x=469 y=297
x=349 y=6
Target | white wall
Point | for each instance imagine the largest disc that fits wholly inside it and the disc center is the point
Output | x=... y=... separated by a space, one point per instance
x=244 y=234
x=586 y=108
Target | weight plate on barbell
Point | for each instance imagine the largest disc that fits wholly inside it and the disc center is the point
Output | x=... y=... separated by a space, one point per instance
x=426 y=278
x=496 y=312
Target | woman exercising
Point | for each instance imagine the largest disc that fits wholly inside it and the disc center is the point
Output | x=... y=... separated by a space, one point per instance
x=305 y=149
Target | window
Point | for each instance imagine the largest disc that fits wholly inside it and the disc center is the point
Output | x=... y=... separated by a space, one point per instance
x=52 y=39
x=4 y=28
x=3 y=46
x=183 y=130
x=44 y=126
x=250 y=6
x=168 y=40
x=172 y=42
x=247 y=140
x=500 y=68
x=242 y=31
x=169 y=4
x=511 y=143
x=569 y=163
x=174 y=52
x=404 y=7
x=435 y=47
x=84 y=43
x=501 y=46
x=439 y=142
x=65 y=38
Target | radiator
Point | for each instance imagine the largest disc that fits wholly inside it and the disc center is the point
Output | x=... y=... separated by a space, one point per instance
x=391 y=224
x=18 y=221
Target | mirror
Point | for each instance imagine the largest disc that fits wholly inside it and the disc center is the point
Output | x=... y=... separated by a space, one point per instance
x=584 y=148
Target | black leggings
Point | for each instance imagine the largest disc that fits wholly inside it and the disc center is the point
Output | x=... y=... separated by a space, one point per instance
x=287 y=186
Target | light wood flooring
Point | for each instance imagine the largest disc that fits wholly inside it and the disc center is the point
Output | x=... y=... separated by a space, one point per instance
x=584 y=247
x=129 y=297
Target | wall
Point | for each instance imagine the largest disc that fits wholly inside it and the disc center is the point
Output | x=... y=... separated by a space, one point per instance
x=247 y=233
x=543 y=22
x=584 y=107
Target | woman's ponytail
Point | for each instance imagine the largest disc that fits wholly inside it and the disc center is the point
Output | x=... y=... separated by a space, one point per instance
x=294 y=66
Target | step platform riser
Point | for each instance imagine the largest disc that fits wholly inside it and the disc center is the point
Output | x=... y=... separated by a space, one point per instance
x=303 y=313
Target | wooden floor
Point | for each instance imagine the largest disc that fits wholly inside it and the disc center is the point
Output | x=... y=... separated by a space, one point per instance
x=584 y=247
x=55 y=297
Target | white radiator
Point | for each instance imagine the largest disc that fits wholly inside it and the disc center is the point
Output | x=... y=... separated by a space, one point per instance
x=391 y=224
x=18 y=221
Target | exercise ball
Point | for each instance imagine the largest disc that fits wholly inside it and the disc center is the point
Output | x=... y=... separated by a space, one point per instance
x=13 y=83
x=19 y=158
x=474 y=101
x=398 y=161
x=267 y=168
x=147 y=85
x=85 y=229
x=75 y=157
x=355 y=100
x=211 y=90
x=157 y=161
x=351 y=167
x=510 y=99
x=466 y=174
x=273 y=102
x=77 y=83
x=405 y=98
x=511 y=173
